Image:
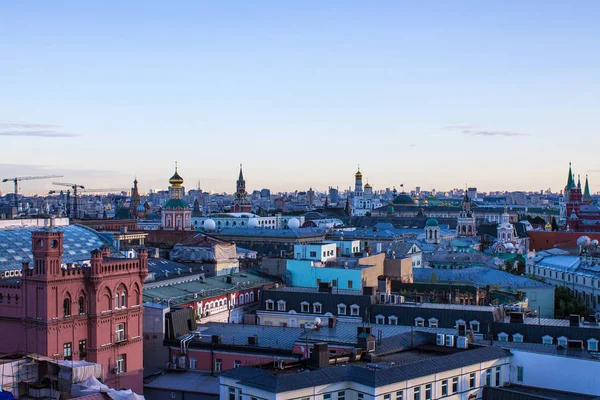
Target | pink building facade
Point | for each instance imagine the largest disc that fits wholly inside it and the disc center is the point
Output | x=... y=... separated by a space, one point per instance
x=87 y=312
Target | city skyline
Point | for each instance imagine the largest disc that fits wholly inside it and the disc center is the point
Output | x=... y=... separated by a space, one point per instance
x=496 y=96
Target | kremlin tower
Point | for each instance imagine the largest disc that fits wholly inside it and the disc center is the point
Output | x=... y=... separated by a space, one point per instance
x=176 y=213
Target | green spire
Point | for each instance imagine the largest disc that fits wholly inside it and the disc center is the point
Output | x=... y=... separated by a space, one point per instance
x=241 y=177
x=570 y=181
x=586 y=192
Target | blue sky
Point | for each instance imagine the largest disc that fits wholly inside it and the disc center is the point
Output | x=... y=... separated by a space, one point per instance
x=499 y=95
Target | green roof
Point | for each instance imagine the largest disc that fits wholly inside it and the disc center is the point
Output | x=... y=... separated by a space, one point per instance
x=176 y=204
x=432 y=222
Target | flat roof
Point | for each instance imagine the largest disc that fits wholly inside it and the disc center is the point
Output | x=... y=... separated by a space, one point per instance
x=188 y=381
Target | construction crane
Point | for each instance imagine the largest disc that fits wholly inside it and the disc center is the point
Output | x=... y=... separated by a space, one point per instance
x=74 y=187
x=18 y=179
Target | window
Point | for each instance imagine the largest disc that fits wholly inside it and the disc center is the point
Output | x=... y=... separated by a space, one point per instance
x=237 y=363
x=68 y=351
x=341 y=395
x=120 y=332
x=360 y=396
x=81 y=305
x=400 y=395
x=269 y=304
x=445 y=387
x=281 y=305
x=67 y=307
x=393 y=320
x=380 y=319
x=354 y=310
x=218 y=365
x=417 y=393
x=519 y=374
x=120 y=367
x=116 y=300
x=475 y=326
x=433 y=323
x=313 y=253
x=592 y=345
x=192 y=362
x=518 y=338
x=349 y=284
x=547 y=339
x=472 y=380
x=317 y=308
x=232 y=393
x=488 y=377
x=334 y=283
x=341 y=309
x=82 y=350
x=503 y=337
x=562 y=341
x=304 y=307
x=455 y=384
x=123 y=300
x=387 y=396
x=428 y=391
x=327 y=396
x=498 y=370
x=419 y=321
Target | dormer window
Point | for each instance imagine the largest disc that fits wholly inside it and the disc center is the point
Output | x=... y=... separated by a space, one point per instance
x=547 y=339
x=592 y=344
x=518 y=338
x=419 y=321
x=474 y=326
x=433 y=322
x=503 y=337
x=305 y=307
x=341 y=309
x=317 y=308
x=393 y=320
x=270 y=305
x=354 y=310
x=562 y=341
x=380 y=319
x=281 y=305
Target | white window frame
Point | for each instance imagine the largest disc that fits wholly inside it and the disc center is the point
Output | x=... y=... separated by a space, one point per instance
x=120 y=364
x=517 y=338
x=237 y=363
x=120 y=332
x=592 y=344
x=393 y=320
x=341 y=309
x=503 y=337
x=380 y=319
x=354 y=310
x=460 y=322
x=305 y=304
x=319 y=307
x=270 y=304
x=192 y=362
x=281 y=305
x=547 y=339
x=562 y=341
x=218 y=364
x=420 y=322
x=433 y=322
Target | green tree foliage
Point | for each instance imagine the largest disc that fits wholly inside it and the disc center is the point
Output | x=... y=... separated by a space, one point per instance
x=566 y=304
x=554 y=225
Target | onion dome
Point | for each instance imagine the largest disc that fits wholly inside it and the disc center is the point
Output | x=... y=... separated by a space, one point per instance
x=424 y=202
x=367 y=186
x=358 y=174
x=404 y=199
x=548 y=226
x=432 y=222
x=176 y=180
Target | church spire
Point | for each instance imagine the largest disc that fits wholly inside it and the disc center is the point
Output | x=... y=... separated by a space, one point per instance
x=241 y=177
x=578 y=181
x=587 y=196
x=570 y=183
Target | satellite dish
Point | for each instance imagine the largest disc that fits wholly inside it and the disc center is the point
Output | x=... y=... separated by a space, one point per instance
x=209 y=225
x=294 y=223
x=253 y=223
x=317 y=321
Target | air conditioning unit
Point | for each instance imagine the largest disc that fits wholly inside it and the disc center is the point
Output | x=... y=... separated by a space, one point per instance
x=462 y=342
x=195 y=295
x=441 y=339
x=450 y=340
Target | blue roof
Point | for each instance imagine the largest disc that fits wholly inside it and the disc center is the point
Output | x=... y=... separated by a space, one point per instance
x=78 y=243
x=479 y=276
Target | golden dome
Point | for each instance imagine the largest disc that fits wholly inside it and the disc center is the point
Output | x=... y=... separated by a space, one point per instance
x=548 y=226
x=424 y=201
x=176 y=180
x=358 y=174
x=367 y=186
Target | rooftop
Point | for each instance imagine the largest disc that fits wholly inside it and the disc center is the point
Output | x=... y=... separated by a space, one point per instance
x=552 y=322
x=188 y=381
x=478 y=276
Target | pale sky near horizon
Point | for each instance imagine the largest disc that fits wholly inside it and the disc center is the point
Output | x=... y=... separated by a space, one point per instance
x=499 y=95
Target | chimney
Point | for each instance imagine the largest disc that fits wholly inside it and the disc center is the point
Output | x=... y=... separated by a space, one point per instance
x=253 y=340
x=105 y=251
x=320 y=355
x=574 y=320
x=332 y=322
x=517 y=318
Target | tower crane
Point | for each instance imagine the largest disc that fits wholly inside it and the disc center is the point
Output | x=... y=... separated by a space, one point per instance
x=74 y=187
x=18 y=179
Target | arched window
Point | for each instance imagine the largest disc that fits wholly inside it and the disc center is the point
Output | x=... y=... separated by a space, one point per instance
x=116 y=300
x=81 y=305
x=123 y=299
x=67 y=307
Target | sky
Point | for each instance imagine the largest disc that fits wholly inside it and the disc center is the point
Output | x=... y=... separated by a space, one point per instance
x=436 y=94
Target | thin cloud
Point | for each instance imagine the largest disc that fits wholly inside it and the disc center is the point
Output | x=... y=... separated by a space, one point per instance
x=472 y=130
x=18 y=125
x=38 y=133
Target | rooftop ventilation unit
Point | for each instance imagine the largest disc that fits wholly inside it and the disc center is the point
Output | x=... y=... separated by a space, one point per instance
x=449 y=340
x=441 y=339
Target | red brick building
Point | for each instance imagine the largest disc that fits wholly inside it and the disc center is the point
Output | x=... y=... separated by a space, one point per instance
x=89 y=311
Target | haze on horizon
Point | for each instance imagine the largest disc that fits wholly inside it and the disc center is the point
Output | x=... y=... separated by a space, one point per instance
x=500 y=96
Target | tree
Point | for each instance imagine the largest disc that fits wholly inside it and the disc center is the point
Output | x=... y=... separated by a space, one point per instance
x=554 y=225
x=566 y=304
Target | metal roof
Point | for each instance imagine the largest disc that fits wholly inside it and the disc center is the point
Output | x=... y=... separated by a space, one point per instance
x=478 y=276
